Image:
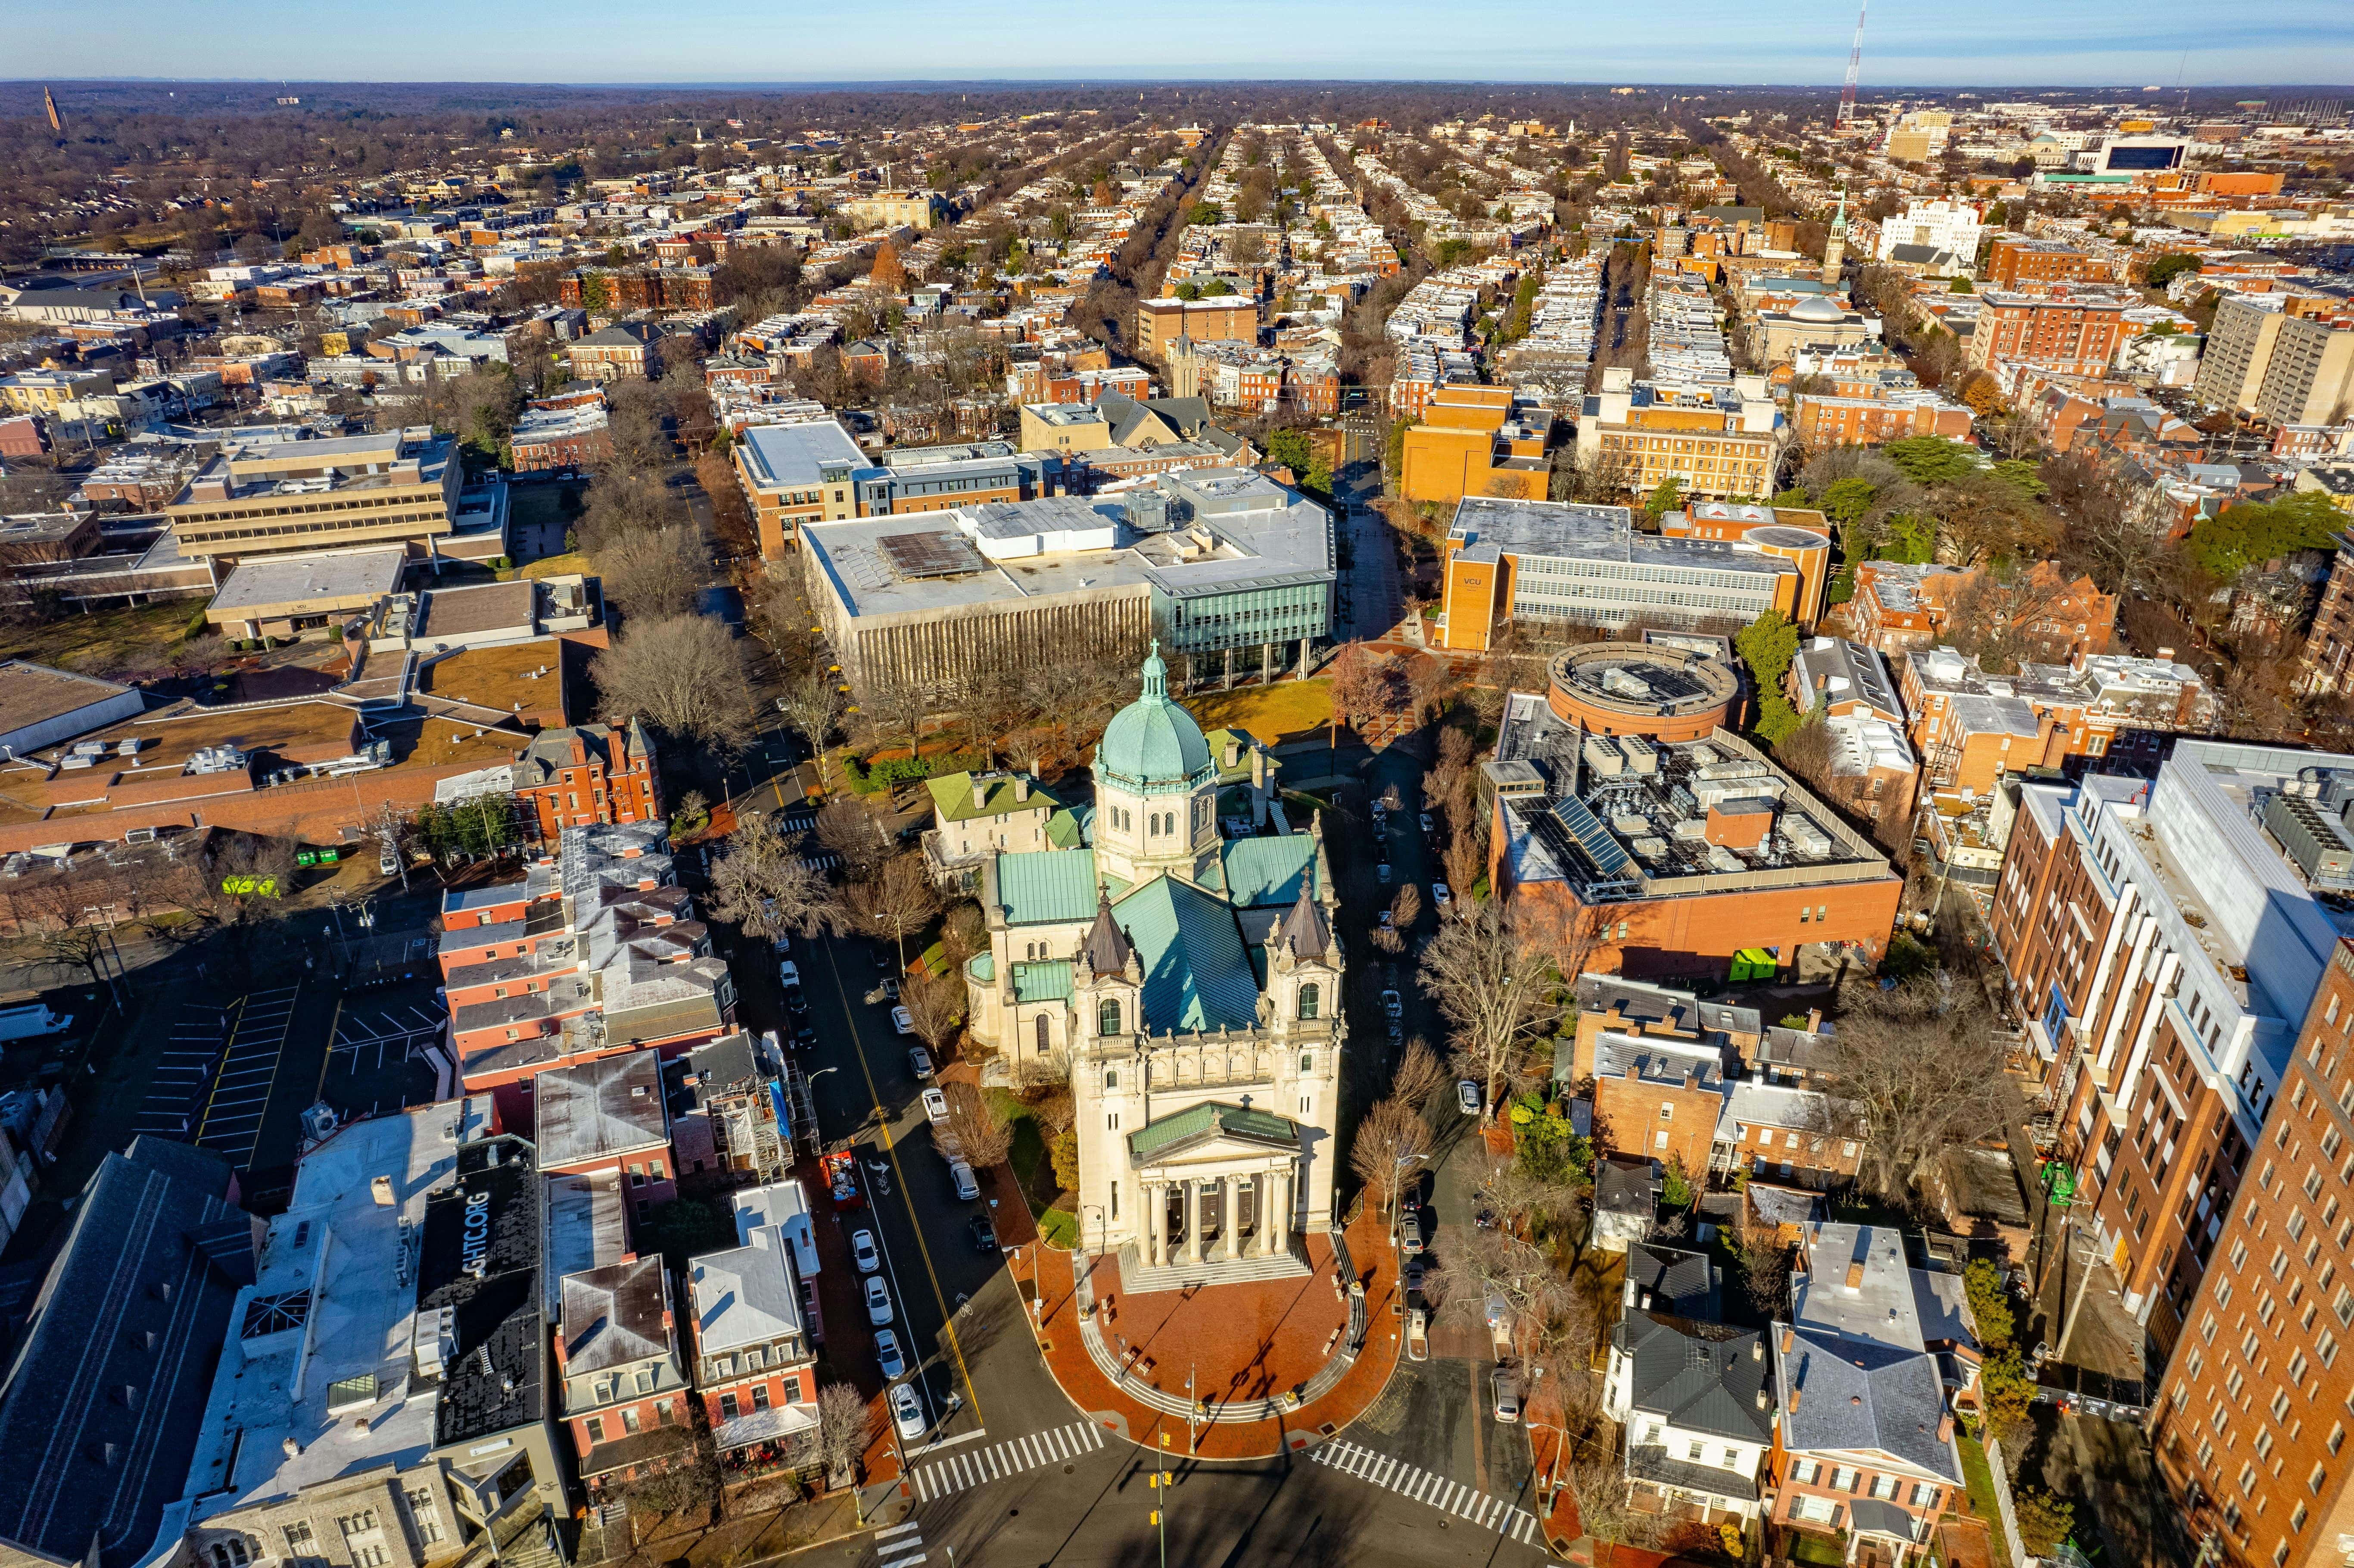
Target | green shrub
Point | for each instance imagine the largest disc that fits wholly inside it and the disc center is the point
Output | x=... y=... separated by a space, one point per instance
x=197 y=625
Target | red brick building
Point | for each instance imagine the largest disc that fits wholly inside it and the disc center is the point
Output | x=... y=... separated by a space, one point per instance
x=1825 y=420
x=608 y=1114
x=2250 y=1424
x=572 y=777
x=622 y=1382
x=2018 y=262
x=754 y=1312
x=618 y=289
x=2068 y=334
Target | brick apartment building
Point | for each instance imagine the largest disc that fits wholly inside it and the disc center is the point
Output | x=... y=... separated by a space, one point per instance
x=548 y=438
x=2064 y=333
x=616 y=290
x=2018 y=263
x=609 y=1114
x=2157 y=939
x=1824 y=420
x=584 y=774
x=2250 y=1421
x=1970 y=728
x=756 y=1324
x=1228 y=318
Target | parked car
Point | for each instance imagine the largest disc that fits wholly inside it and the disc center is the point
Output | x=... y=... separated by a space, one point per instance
x=1383 y=871
x=788 y=975
x=1410 y=1231
x=1441 y=895
x=919 y=1062
x=1467 y=1094
x=863 y=1252
x=1393 y=1004
x=885 y=991
x=879 y=1300
x=1508 y=1394
x=960 y=1173
x=1426 y=825
x=886 y=1354
x=903 y=1021
x=1415 y=1270
x=908 y=1411
x=936 y=1104
x=984 y=1234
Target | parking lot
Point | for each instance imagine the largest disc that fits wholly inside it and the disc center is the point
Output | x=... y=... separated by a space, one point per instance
x=388 y=1051
x=235 y=1110
x=181 y=1084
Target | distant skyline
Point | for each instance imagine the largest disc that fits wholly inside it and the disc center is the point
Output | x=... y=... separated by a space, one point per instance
x=1992 y=44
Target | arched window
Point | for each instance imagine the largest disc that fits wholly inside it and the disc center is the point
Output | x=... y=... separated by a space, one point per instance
x=1108 y=1016
x=1046 y=1041
x=1308 y=998
x=1111 y=1077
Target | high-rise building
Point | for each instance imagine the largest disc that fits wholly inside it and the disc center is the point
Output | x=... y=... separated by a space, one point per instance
x=2251 y=1415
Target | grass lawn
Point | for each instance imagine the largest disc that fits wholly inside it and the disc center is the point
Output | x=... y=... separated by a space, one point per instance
x=558 y=566
x=1033 y=1168
x=105 y=641
x=1287 y=710
x=1983 y=1503
x=1819 y=1550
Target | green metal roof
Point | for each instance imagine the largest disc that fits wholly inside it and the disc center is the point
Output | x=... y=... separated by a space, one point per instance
x=982 y=966
x=1269 y=871
x=1043 y=981
x=1063 y=830
x=1153 y=740
x=1264 y=1127
x=1219 y=740
x=952 y=798
x=1041 y=886
x=1197 y=974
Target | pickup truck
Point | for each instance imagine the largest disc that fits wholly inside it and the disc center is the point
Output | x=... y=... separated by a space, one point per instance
x=1418 y=1335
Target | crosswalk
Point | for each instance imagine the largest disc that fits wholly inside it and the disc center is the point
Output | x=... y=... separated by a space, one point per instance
x=900 y=1546
x=1423 y=1485
x=1011 y=1458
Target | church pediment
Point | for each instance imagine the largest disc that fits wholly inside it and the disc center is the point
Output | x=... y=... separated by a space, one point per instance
x=1213 y=1131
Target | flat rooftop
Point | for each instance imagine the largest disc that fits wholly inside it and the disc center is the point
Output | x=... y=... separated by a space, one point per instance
x=34 y=694
x=484 y=607
x=322 y=1336
x=336 y=578
x=1487 y=528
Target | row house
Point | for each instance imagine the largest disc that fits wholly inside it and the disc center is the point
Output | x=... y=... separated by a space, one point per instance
x=1868 y=1373
x=1899 y=606
x=729 y=1121
x=595 y=951
x=608 y=1115
x=1828 y=420
x=756 y=1328
x=622 y=1380
x=1694 y=1396
x=2163 y=940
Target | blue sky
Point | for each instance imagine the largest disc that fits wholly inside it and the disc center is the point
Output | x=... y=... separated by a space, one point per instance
x=1979 y=43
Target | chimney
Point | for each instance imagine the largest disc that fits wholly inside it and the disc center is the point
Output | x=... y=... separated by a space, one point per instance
x=1634 y=1072
x=1814 y=1020
x=1855 y=1274
x=1646 y=1300
x=1795 y=1395
x=1945 y=1428
x=1020 y=788
x=1757 y=1349
x=1691 y=1077
x=1762 y=1397
x=1789 y=1339
x=979 y=791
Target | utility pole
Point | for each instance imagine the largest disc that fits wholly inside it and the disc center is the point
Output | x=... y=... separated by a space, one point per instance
x=1159 y=1483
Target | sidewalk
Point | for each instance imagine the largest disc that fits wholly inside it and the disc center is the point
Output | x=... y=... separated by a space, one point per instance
x=1242 y=1341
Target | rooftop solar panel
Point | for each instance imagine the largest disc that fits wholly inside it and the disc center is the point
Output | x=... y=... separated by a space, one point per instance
x=940 y=554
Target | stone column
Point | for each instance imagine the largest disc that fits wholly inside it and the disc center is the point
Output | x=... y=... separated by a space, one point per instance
x=1306 y=645
x=1192 y=1191
x=1283 y=1181
x=1228 y=683
x=1229 y=1211
x=1267 y=664
x=1156 y=1244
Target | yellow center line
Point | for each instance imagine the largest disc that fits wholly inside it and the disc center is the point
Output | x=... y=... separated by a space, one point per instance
x=948 y=1321
x=277 y=1060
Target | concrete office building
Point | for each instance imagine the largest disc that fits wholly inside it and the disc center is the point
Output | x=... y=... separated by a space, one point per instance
x=1210 y=560
x=266 y=495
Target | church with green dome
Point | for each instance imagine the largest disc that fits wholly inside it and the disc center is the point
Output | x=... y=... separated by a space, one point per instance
x=1182 y=967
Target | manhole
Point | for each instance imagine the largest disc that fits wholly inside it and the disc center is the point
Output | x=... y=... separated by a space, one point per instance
x=1068 y=1468
x=1327 y=1429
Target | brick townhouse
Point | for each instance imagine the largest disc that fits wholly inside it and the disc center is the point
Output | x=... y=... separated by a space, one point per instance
x=573 y=776
x=623 y=1384
x=607 y=1115
x=755 y=1327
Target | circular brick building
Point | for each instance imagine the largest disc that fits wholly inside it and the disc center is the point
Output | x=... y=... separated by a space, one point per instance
x=1637 y=688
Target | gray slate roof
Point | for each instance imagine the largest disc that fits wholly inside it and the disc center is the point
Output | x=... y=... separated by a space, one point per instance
x=1856 y=1396
x=1681 y=1282
x=1702 y=1377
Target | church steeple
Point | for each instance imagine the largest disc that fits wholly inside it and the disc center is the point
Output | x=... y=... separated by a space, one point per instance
x=1108 y=949
x=1835 y=248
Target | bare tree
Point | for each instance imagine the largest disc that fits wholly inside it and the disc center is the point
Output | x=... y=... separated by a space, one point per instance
x=896 y=708
x=854 y=834
x=654 y=573
x=760 y=884
x=1392 y=1138
x=684 y=675
x=935 y=1005
x=811 y=699
x=973 y=1126
x=846 y=1424
x=1604 y=1508
x=1917 y=1071
x=1420 y=1074
x=1496 y=976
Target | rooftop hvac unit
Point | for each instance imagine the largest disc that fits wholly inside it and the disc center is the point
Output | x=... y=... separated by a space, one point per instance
x=1693 y=829
x=1619 y=682
x=1603 y=755
x=78 y=760
x=1723 y=859
x=1805 y=838
x=1649 y=848
x=434 y=1341
x=1642 y=757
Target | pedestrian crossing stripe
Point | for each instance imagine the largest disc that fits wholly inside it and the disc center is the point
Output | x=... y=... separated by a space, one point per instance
x=1417 y=1485
x=1010 y=1457
x=900 y=1545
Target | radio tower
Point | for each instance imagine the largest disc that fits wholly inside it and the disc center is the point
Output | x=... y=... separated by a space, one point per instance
x=1854 y=66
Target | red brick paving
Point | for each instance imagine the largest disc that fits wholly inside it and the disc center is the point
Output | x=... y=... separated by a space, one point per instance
x=1243 y=1340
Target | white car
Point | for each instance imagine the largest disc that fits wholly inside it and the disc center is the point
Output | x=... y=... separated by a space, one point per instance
x=936 y=1104
x=789 y=973
x=907 y=1410
x=863 y=1252
x=1467 y=1094
x=879 y=1300
x=903 y=1021
x=919 y=1062
x=1440 y=896
x=886 y=1354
